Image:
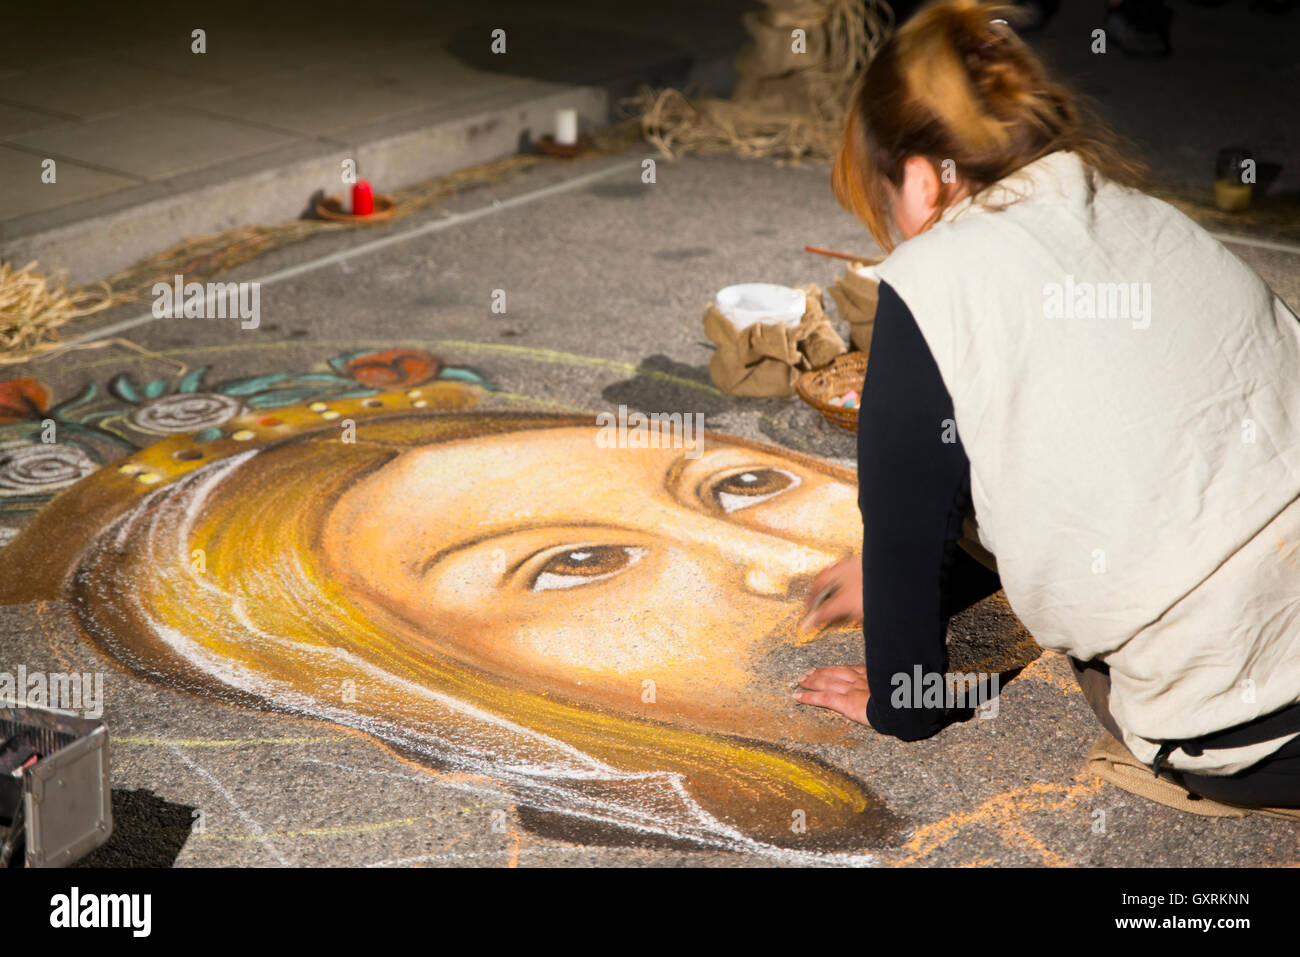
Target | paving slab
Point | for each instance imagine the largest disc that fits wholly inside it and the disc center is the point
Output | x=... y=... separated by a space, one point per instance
x=75 y=182
x=153 y=142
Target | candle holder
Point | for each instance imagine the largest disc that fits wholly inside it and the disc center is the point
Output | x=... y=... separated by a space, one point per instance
x=331 y=208
x=550 y=147
x=1231 y=193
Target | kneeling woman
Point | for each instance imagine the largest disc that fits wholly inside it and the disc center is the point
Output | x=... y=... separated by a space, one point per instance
x=1109 y=393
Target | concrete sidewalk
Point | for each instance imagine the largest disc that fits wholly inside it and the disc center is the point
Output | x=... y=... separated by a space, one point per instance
x=154 y=142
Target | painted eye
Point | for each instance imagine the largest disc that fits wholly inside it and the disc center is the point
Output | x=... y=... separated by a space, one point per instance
x=748 y=488
x=581 y=566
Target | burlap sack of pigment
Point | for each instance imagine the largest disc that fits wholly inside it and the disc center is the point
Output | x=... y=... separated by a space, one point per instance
x=856 y=297
x=765 y=359
x=772 y=52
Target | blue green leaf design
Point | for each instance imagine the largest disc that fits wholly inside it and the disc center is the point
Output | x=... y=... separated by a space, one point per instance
x=250 y=385
x=461 y=375
x=88 y=393
x=338 y=362
x=122 y=387
x=282 y=397
x=322 y=377
x=192 y=380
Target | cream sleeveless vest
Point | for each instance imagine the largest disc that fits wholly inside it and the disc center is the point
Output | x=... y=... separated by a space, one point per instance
x=1128 y=393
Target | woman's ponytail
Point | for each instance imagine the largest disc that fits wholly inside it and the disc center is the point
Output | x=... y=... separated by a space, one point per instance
x=956 y=84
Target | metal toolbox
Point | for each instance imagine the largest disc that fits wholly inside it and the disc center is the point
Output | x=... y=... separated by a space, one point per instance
x=55 y=797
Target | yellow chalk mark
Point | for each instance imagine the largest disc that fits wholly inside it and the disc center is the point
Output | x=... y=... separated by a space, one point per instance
x=541 y=403
x=529 y=352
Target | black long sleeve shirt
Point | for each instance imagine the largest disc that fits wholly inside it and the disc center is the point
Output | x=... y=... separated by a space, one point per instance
x=914 y=492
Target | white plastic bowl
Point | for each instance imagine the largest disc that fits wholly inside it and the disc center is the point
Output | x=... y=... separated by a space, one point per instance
x=765 y=302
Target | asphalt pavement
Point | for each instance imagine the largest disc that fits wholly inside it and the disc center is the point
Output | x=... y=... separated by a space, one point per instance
x=606 y=278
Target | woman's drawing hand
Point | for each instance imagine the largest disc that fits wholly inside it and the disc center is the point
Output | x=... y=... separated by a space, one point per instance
x=844 y=581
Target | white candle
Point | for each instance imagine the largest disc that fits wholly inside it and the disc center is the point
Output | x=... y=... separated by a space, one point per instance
x=345 y=198
x=566 y=127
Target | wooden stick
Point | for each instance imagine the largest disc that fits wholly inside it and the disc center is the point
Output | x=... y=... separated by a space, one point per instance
x=834 y=255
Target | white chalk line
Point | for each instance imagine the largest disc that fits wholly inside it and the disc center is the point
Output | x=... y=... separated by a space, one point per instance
x=230 y=799
x=364 y=249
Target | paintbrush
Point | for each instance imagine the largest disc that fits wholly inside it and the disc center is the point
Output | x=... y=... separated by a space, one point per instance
x=835 y=255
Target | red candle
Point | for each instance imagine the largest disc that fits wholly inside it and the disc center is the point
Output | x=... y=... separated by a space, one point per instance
x=363 y=199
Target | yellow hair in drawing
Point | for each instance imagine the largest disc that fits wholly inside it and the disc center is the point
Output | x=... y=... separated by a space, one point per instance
x=212 y=578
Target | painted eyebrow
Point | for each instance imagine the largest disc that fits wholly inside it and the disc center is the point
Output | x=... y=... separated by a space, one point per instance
x=672 y=476
x=444 y=553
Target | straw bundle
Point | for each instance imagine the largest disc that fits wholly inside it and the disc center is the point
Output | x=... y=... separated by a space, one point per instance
x=33 y=306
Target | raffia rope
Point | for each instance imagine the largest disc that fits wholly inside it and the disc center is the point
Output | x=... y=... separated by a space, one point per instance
x=803 y=123
x=33 y=307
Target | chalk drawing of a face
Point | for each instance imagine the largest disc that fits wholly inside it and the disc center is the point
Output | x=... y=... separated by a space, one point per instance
x=493 y=592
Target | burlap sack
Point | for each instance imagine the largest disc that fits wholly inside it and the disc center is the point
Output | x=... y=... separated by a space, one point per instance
x=856 y=297
x=765 y=359
x=773 y=43
x=1112 y=762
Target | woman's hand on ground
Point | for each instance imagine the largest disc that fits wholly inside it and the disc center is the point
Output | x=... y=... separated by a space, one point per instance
x=842 y=688
x=845 y=577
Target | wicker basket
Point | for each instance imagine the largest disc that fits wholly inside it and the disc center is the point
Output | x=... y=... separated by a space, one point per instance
x=819 y=386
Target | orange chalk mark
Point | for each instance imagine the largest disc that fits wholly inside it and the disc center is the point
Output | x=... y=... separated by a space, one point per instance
x=1005 y=813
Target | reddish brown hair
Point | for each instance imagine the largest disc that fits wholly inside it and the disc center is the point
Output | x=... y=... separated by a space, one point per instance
x=956 y=83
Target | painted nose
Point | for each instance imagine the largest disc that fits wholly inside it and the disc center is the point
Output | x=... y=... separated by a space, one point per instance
x=772 y=584
x=774 y=567
x=779 y=569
